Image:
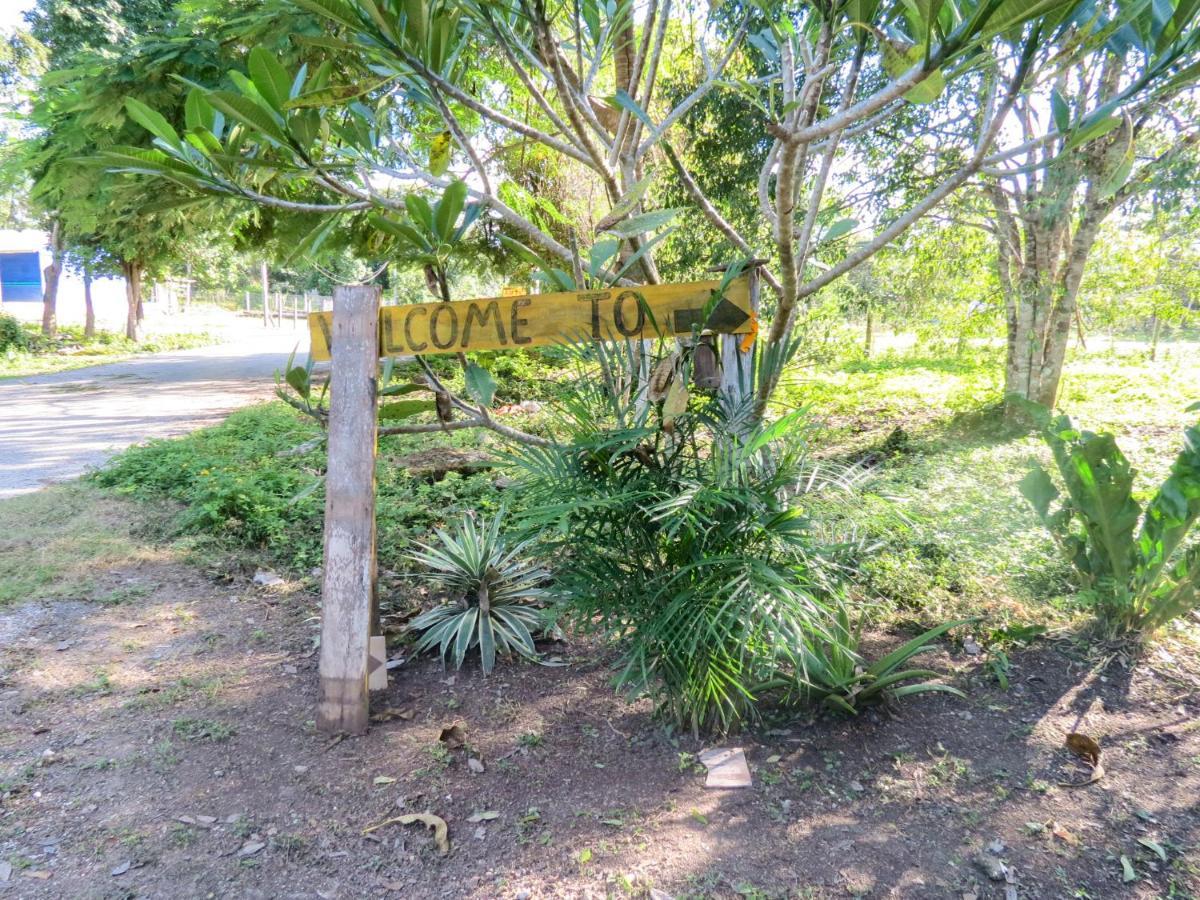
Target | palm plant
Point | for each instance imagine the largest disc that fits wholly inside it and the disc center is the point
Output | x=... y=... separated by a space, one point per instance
x=492 y=586
x=684 y=537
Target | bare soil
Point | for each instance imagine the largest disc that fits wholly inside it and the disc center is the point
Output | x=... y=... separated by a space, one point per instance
x=161 y=744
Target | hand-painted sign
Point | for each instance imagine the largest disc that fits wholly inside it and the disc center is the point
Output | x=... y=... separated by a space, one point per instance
x=529 y=320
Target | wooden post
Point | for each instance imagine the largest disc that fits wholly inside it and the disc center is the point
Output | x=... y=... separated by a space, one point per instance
x=737 y=365
x=349 y=573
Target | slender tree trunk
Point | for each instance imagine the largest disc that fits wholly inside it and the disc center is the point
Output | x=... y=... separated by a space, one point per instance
x=132 y=270
x=869 y=337
x=89 y=324
x=1154 y=335
x=51 y=275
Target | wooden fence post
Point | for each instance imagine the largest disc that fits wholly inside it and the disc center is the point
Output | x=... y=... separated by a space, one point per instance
x=349 y=573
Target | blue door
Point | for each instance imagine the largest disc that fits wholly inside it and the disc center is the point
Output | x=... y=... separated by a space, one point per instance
x=20 y=276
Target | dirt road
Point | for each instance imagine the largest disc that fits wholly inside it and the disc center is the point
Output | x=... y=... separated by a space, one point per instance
x=54 y=427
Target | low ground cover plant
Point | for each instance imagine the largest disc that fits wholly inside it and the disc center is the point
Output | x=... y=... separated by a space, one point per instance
x=1138 y=566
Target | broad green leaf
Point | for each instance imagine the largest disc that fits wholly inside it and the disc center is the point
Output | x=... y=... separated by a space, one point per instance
x=404 y=409
x=898 y=58
x=448 y=210
x=153 y=121
x=337 y=10
x=648 y=221
x=479 y=383
x=250 y=114
x=840 y=228
x=298 y=378
x=270 y=77
x=198 y=112
x=1090 y=131
x=336 y=95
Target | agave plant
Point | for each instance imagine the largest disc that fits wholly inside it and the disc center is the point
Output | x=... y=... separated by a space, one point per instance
x=828 y=668
x=492 y=586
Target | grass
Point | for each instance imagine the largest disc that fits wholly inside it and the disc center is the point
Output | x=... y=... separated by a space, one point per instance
x=242 y=487
x=955 y=535
x=69 y=349
x=56 y=540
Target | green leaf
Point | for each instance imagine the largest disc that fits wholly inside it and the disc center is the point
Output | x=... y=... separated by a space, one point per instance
x=898 y=58
x=404 y=409
x=479 y=383
x=622 y=100
x=1127 y=871
x=270 y=77
x=1090 y=131
x=648 y=221
x=198 y=112
x=1060 y=111
x=336 y=95
x=153 y=121
x=448 y=210
x=337 y=10
x=1154 y=846
x=439 y=154
x=297 y=377
x=840 y=228
x=1038 y=488
x=250 y=114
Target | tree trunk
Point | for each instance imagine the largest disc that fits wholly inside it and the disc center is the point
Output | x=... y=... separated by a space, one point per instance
x=89 y=324
x=869 y=337
x=132 y=270
x=51 y=274
x=1154 y=335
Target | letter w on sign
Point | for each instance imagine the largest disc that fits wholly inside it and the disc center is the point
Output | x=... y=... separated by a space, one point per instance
x=529 y=320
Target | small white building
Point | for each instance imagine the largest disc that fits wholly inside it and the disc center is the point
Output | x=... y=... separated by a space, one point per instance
x=24 y=256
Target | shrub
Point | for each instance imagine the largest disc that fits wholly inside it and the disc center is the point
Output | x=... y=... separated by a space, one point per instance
x=492 y=588
x=12 y=335
x=681 y=533
x=1132 y=564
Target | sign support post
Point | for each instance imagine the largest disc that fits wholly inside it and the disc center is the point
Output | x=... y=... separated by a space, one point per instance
x=737 y=365
x=348 y=586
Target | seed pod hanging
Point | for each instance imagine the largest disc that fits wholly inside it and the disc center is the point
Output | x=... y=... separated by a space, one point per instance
x=706 y=370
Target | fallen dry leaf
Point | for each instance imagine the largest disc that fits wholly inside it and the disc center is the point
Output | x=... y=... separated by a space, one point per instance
x=386 y=715
x=437 y=823
x=453 y=736
x=383 y=779
x=1087 y=749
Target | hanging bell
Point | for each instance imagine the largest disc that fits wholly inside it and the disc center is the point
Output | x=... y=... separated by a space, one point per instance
x=706 y=370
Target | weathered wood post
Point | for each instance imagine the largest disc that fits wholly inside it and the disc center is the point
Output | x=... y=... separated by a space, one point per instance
x=737 y=365
x=349 y=574
x=266 y=294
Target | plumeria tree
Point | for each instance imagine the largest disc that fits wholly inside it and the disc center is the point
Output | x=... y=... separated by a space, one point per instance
x=423 y=94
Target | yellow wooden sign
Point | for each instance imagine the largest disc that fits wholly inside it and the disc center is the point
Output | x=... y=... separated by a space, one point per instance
x=514 y=290
x=529 y=320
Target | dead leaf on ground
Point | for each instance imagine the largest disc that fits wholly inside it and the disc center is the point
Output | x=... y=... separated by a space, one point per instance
x=1064 y=834
x=486 y=816
x=383 y=779
x=386 y=715
x=1087 y=749
x=441 y=835
x=453 y=736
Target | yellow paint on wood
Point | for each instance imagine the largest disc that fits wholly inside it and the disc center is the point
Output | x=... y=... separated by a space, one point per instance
x=530 y=320
x=514 y=290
